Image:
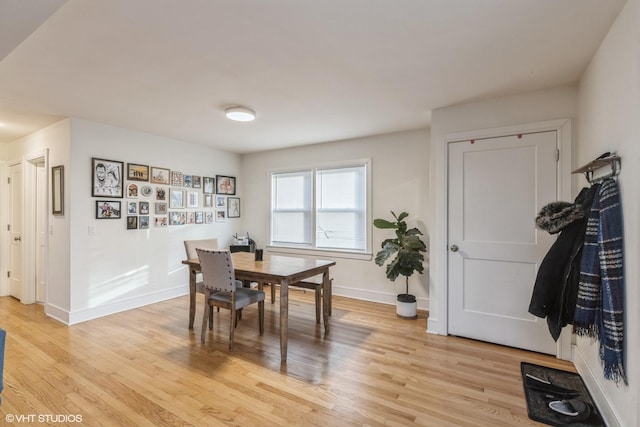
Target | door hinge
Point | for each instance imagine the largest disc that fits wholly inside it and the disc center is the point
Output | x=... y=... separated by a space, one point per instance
x=8 y=180
x=8 y=227
x=8 y=274
x=557 y=155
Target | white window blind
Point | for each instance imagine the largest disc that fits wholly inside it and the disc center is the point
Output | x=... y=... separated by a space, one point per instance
x=291 y=205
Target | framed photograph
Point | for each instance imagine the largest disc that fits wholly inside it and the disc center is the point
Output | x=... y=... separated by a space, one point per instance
x=208 y=201
x=143 y=222
x=160 y=175
x=132 y=223
x=161 y=208
x=137 y=172
x=208 y=217
x=146 y=191
x=108 y=209
x=221 y=216
x=233 y=207
x=225 y=185
x=143 y=208
x=209 y=185
x=161 y=193
x=132 y=208
x=176 y=199
x=106 y=178
x=160 y=221
x=177 y=179
x=221 y=202
x=187 y=181
x=177 y=218
x=196 y=181
x=57 y=190
x=191 y=217
x=192 y=199
x=199 y=217
x=132 y=191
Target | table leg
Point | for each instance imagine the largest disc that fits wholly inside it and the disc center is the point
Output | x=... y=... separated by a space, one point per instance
x=284 y=319
x=326 y=300
x=192 y=296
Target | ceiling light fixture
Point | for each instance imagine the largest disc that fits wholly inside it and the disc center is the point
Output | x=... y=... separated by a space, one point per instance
x=240 y=114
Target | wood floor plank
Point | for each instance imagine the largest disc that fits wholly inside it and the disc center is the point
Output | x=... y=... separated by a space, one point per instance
x=144 y=367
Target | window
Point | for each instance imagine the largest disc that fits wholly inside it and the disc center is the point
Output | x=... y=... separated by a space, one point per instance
x=322 y=208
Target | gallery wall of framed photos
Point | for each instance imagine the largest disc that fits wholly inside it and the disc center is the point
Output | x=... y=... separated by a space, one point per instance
x=150 y=196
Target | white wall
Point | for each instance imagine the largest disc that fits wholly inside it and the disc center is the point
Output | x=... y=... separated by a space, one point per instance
x=118 y=269
x=532 y=107
x=609 y=120
x=400 y=173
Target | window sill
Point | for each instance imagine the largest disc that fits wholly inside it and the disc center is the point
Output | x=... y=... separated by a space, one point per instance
x=283 y=250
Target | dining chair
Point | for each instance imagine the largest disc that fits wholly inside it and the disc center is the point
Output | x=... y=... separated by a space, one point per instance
x=190 y=248
x=314 y=284
x=223 y=290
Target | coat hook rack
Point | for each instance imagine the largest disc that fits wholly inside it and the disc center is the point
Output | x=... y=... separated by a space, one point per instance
x=607 y=159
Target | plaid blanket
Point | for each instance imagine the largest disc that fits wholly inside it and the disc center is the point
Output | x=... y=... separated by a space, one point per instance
x=600 y=302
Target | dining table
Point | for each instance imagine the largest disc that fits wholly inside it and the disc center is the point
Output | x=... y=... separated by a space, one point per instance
x=273 y=269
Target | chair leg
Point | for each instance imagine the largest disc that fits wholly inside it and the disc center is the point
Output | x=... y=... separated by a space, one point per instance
x=211 y=316
x=204 y=323
x=318 y=302
x=273 y=293
x=231 y=328
x=261 y=316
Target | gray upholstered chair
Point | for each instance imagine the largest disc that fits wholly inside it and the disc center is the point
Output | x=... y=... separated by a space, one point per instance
x=190 y=248
x=223 y=290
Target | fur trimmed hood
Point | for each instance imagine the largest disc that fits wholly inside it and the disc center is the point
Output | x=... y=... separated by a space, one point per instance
x=557 y=215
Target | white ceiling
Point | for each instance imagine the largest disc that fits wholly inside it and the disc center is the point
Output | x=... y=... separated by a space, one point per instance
x=314 y=70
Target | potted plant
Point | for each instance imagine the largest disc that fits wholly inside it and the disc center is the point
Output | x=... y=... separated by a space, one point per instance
x=407 y=248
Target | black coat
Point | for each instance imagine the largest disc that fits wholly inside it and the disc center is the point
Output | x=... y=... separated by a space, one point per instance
x=556 y=287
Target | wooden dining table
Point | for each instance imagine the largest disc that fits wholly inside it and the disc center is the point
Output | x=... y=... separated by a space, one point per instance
x=274 y=269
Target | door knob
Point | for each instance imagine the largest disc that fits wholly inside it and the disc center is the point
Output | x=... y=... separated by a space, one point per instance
x=17 y=239
x=454 y=248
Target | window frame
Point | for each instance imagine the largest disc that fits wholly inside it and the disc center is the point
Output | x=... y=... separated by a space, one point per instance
x=312 y=249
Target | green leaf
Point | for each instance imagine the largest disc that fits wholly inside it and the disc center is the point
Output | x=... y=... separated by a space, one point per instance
x=383 y=223
x=402 y=216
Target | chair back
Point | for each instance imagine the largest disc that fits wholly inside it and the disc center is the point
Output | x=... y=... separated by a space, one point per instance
x=217 y=270
x=191 y=245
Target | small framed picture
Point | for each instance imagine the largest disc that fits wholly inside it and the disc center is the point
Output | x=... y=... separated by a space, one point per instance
x=161 y=208
x=57 y=190
x=143 y=222
x=132 y=208
x=176 y=199
x=233 y=207
x=177 y=218
x=208 y=201
x=225 y=185
x=132 y=223
x=187 y=181
x=221 y=216
x=209 y=185
x=199 y=217
x=132 y=191
x=208 y=217
x=108 y=209
x=192 y=199
x=161 y=193
x=160 y=175
x=146 y=191
x=196 y=181
x=144 y=208
x=177 y=179
x=191 y=217
x=106 y=178
x=160 y=221
x=221 y=202
x=137 y=172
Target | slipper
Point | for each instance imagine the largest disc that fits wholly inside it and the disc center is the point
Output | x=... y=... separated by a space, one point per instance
x=574 y=408
x=544 y=386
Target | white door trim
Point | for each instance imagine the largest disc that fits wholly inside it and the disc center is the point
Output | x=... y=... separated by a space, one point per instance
x=438 y=251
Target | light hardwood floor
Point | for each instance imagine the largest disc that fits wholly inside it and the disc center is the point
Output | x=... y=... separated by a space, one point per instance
x=144 y=367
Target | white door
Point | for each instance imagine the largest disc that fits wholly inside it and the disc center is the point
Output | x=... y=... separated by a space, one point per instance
x=16 y=271
x=496 y=188
x=41 y=217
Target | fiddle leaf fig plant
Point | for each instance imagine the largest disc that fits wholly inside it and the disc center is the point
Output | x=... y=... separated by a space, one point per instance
x=407 y=248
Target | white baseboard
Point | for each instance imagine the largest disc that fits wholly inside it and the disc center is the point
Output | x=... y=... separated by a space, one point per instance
x=610 y=417
x=374 y=296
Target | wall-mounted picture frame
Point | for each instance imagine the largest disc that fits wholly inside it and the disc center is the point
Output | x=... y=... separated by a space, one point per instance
x=143 y=208
x=191 y=217
x=207 y=201
x=132 y=223
x=143 y=222
x=161 y=193
x=137 y=172
x=177 y=179
x=225 y=185
x=208 y=217
x=106 y=178
x=221 y=202
x=57 y=190
x=221 y=216
x=176 y=199
x=108 y=209
x=160 y=175
x=146 y=191
x=161 y=208
x=192 y=199
x=132 y=191
x=188 y=181
x=160 y=221
x=177 y=218
x=132 y=208
x=199 y=217
x=209 y=185
x=196 y=181
x=233 y=207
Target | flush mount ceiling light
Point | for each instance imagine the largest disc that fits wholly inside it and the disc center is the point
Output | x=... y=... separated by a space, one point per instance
x=240 y=114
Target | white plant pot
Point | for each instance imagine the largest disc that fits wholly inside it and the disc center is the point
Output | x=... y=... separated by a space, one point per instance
x=407 y=310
